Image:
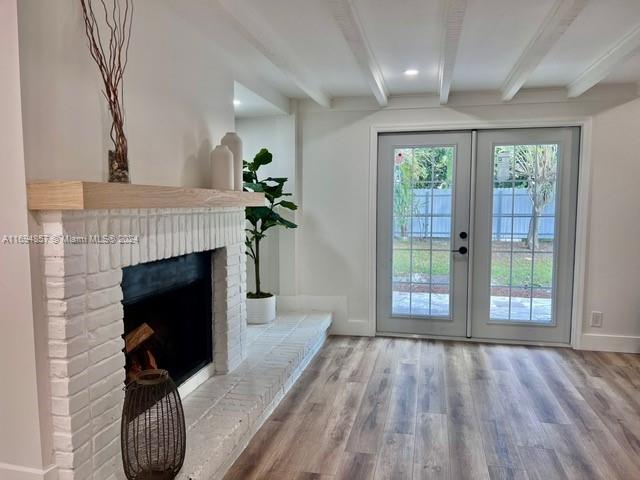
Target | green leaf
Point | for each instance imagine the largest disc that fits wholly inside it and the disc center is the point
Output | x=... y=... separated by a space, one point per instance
x=263 y=157
x=254 y=187
x=276 y=190
x=254 y=214
x=278 y=180
x=289 y=205
x=287 y=223
x=249 y=177
x=276 y=220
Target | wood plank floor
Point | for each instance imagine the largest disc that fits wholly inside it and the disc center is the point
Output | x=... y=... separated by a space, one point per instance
x=381 y=408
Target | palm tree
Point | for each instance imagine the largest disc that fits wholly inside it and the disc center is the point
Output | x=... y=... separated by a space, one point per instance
x=537 y=164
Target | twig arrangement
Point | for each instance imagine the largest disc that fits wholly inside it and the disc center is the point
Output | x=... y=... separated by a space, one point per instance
x=112 y=62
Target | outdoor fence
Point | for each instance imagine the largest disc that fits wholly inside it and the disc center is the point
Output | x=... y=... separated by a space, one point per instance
x=512 y=209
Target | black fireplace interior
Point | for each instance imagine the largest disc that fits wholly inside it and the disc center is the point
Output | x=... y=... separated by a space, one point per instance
x=168 y=315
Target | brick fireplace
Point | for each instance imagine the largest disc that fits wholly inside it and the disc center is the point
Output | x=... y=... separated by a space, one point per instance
x=83 y=295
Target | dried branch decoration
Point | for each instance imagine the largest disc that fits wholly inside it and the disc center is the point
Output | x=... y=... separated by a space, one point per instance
x=112 y=62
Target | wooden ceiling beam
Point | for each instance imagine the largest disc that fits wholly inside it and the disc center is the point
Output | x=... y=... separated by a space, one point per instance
x=561 y=15
x=346 y=15
x=605 y=64
x=453 y=20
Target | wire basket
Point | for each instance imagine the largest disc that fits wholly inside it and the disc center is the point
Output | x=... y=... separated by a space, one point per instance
x=153 y=433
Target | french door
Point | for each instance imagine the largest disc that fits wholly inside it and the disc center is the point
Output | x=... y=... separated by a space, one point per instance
x=488 y=255
x=424 y=182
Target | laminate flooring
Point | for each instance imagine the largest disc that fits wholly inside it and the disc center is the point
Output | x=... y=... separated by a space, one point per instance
x=384 y=408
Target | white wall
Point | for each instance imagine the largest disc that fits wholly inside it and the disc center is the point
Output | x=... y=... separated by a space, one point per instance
x=277 y=134
x=613 y=265
x=177 y=94
x=22 y=455
x=333 y=247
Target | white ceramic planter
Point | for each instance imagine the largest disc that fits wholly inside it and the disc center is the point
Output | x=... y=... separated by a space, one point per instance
x=261 y=310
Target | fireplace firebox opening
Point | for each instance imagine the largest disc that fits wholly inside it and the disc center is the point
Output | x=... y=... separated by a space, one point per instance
x=168 y=315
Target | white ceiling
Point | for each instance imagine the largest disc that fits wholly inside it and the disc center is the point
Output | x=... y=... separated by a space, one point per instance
x=494 y=35
x=403 y=35
x=247 y=103
x=302 y=48
x=599 y=26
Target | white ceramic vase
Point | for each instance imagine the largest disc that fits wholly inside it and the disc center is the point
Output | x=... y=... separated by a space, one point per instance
x=261 y=310
x=233 y=141
x=222 y=168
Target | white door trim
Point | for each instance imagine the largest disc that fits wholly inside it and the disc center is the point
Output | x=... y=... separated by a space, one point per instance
x=582 y=220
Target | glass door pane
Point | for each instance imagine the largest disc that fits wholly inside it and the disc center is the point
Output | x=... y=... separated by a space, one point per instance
x=522 y=237
x=422 y=220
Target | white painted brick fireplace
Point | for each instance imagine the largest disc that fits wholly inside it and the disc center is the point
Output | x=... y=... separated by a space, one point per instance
x=85 y=315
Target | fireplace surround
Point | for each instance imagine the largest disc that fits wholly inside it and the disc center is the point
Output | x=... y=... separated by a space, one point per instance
x=85 y=315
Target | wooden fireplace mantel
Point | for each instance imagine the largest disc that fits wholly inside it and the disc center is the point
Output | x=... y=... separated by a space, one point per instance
x=79 y=195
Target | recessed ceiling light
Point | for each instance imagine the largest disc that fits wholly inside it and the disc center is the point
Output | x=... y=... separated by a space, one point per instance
x=237 y=102
x=412 y=72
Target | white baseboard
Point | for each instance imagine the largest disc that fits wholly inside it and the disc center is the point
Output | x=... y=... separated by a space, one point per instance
x=308 y=303
x=18 y=472
x=609 y=343
x=355 y=328
x=337 y=305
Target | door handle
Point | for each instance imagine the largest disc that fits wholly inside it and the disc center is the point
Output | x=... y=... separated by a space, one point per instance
x=461 y=250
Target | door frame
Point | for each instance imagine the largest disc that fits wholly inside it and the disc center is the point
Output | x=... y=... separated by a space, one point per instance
x=582 y=218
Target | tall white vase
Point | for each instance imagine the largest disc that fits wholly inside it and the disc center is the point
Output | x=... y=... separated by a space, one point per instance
x=222 y=173
x=233 y=141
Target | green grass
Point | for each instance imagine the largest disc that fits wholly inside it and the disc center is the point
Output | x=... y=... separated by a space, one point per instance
x=503 y=272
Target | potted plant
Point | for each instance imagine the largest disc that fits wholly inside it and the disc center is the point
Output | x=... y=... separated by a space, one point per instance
x=261 y=306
